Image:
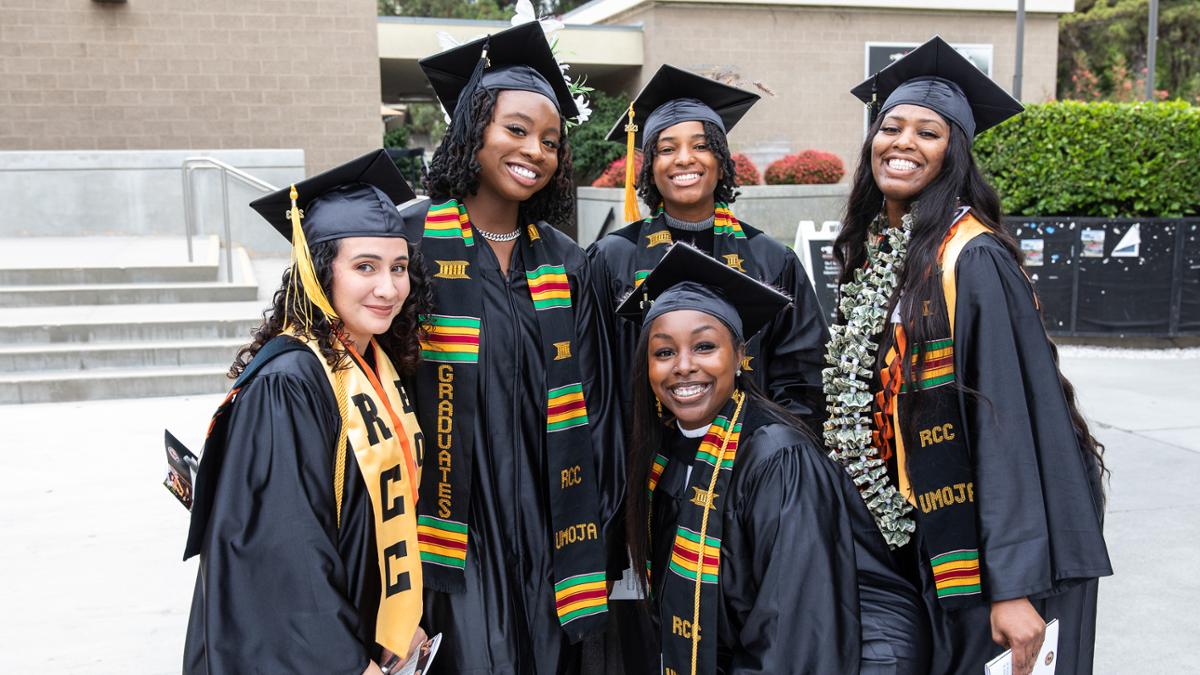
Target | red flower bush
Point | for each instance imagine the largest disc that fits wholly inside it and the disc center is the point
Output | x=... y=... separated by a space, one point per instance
x=614 y=175
x=745 y=173
x=811 y=167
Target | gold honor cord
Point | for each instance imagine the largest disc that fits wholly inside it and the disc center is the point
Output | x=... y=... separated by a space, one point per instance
x=631 y=208
x=708 y=505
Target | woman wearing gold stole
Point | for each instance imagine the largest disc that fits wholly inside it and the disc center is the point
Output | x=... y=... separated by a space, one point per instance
x=305 y=509
x=758 y=553
x=946 y=404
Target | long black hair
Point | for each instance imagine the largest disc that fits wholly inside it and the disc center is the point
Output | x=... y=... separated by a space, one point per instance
x=401 y=341
x=454 y=170
x=921 y=303
x=726 y=190
x=647 y=434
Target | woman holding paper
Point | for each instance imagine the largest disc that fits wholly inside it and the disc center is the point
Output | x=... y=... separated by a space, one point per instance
x=945 y=400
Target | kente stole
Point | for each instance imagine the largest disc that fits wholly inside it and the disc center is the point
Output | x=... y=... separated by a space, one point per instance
x=448 y=378
x=729 y=242
x=730 y=246
x=934 y=466
x=380 y=427
x=691 y=587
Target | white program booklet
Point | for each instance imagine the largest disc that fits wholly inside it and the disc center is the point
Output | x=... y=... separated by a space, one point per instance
x=1046 y=661
x=418 y=662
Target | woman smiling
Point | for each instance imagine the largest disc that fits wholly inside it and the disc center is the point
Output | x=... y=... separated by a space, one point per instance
x=758 y=553
x=303 y=515
x=515 y=375
x=946 y=402
x=680 y=121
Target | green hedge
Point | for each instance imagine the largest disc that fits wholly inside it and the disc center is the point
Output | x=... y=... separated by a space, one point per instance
x=1096 y=159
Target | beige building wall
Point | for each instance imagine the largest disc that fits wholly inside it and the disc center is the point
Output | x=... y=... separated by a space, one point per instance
x=812 y=56
x=182 y=74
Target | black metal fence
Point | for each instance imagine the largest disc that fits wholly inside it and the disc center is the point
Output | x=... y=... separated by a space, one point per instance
x=1114 y=276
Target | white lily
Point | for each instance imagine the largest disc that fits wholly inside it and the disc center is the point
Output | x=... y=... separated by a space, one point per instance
x=585 y=110
x=526 y=14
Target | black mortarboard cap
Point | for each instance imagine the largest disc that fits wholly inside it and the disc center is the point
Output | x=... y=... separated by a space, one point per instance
x=686 y=278
x=366 y=197
x=674 y=95
x=937 y=77
x=517 y=58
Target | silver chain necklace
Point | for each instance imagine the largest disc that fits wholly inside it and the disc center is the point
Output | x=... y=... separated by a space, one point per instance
x=501 y=238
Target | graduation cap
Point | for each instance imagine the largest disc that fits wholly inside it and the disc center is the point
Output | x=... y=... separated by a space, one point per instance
x=686 y=278
x=672 y=96
x=356 y=199
x=516 y=58
x=937 y=77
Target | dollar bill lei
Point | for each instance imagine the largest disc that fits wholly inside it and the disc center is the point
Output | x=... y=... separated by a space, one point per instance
x=852 y=354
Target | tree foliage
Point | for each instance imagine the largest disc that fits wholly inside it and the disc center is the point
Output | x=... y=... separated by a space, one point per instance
x=1102 y=50
x=590 y=152
x=1069 y=158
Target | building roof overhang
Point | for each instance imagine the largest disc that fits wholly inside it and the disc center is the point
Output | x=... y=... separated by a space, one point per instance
x=593 y=51
x=599 y=11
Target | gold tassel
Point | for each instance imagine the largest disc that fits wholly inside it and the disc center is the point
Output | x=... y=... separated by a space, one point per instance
x=632 y=212
x=302 y=267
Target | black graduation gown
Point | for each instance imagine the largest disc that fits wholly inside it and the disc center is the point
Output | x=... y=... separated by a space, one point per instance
x=805 y=577
x=280 y=588
x=789 y=353
x=1038 y=496
x=505 y=622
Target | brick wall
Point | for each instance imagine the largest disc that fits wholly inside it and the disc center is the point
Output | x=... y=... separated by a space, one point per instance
x=816 y=55
x=181 y=74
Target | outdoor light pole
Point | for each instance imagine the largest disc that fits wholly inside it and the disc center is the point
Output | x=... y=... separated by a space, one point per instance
x=1151 y=49
x=1020 y=65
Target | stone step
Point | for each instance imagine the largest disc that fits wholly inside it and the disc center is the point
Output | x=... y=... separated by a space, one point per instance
x=114 y=323
x=124 y=294
x=112 y=383
x=94 y=356
x=41 y=261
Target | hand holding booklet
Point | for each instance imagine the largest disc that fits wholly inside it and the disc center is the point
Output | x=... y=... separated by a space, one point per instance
x=1047 y=657
x=418 y=661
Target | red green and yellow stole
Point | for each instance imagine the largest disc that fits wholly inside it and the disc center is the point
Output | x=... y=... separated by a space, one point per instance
x=729 y=242
x=448 y=379
x=933 y=460
x=379 y=426
x=690 y=593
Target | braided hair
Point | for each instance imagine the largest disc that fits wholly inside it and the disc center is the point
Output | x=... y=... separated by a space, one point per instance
x=726 y=190
x=454 y=170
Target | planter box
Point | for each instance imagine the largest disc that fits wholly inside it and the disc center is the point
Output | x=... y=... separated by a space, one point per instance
x=774 y=209
x=1114 y=276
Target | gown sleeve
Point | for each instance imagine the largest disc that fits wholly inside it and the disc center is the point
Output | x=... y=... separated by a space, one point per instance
x=595 y=348
x=788 y=569
x=273 y=584
x=1036 y=491
x=794 y=348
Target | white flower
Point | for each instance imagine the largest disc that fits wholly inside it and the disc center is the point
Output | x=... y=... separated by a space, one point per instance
x=526 y=14
x=446 y=40
x=445 y=114
x=585 y=111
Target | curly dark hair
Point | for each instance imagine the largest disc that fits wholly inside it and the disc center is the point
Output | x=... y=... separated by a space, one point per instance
x=400 y=342
x=726 y=190
x=454 y=170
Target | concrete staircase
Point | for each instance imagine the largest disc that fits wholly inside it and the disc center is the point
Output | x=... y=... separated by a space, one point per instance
x=120 y=317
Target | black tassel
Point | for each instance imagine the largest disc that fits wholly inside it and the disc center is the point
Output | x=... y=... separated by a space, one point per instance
x=462 y=121
x=874 y=105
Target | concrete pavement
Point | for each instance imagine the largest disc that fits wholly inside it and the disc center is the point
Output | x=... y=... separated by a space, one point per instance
x=93 y=581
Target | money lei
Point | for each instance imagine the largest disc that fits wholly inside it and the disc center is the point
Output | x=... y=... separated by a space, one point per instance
x=852 y=354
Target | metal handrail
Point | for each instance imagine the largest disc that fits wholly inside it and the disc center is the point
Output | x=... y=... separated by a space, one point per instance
x=194 y=163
